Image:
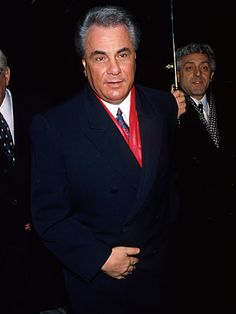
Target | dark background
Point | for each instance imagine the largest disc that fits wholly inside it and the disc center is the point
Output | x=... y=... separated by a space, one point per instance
x=37 y=37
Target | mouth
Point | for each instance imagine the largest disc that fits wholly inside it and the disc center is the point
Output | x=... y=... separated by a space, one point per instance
x=197 y=82
x=114 y=83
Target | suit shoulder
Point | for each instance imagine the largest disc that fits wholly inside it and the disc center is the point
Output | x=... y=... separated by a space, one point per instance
x=62 y=109
x=161 y=100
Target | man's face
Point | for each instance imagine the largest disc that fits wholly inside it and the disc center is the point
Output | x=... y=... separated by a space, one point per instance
x=195 y=74
x=4 y=81
x=109 y=62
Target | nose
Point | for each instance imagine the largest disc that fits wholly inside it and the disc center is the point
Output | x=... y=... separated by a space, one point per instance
x=114 y=67
x=197 y=71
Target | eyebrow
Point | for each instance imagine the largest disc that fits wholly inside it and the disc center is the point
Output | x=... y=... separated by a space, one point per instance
x=101 y=52
x=194 y=62
x=124 y=49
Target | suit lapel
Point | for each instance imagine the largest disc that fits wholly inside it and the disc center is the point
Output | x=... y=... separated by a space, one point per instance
x=106 y=136
x=209 y=129
x=151 y=134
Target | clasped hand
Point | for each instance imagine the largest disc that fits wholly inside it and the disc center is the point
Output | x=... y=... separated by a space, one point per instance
x=121 y=262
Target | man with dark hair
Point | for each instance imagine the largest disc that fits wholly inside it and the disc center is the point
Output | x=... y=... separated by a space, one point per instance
x=103 y=186
x=206 y=159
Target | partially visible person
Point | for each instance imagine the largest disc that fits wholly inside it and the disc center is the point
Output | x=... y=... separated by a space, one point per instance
x=29 y=279
x=206 y=160
x=104 y=199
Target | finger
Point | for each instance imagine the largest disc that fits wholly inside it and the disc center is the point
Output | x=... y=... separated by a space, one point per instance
x=134 y=261
x=132 y=250
x=132 y=268
x=121 y=277
x=173 y=88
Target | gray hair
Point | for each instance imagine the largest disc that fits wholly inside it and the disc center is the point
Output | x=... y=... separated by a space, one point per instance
x=3 y=61
x=195 y=48
x=106 y=16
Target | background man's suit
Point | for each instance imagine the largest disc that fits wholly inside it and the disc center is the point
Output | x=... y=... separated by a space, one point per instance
x=93 y=196
x=29 y=275
x=207 y=223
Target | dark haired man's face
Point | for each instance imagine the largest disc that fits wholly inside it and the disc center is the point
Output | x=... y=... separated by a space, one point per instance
x=110 y=62
x=195 y=74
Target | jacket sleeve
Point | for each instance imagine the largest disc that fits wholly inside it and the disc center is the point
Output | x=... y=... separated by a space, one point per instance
x=71 y=242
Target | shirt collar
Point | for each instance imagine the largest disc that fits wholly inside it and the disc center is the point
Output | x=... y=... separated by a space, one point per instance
x=124 y=106
x=203 y=100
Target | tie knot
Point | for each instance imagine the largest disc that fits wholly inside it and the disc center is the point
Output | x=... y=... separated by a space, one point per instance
x=119 y=112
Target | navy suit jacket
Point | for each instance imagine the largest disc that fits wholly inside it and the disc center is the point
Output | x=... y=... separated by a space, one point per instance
x=89 y=194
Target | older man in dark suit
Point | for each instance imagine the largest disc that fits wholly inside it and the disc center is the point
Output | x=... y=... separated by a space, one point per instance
x=103 y=187
x=29 y=276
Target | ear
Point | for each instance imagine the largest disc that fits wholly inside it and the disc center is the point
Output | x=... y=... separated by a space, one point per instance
x=84 y=65
x=212 y=74
x=7 y=74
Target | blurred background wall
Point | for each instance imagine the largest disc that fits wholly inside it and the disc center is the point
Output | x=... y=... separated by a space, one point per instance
x=37 y=37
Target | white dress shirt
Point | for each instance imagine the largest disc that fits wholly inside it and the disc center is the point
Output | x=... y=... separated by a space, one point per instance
x=6 y=110
x=206 y=109
x=124 y=106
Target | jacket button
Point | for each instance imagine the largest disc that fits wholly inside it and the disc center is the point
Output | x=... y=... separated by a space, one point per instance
x=195 y=160
x=125 y=229
x=14 y=202
x=114 y=189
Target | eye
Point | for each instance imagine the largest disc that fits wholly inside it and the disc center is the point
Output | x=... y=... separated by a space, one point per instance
x=205 y=68
x=123 y=55
x=100 y=58
x=188 y=68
